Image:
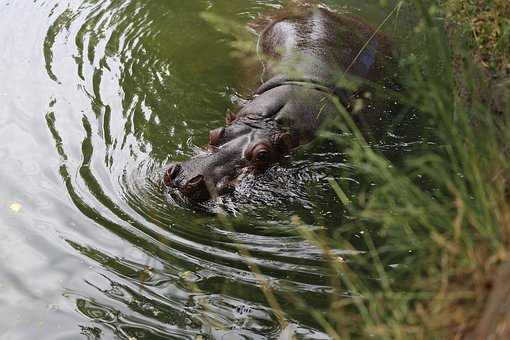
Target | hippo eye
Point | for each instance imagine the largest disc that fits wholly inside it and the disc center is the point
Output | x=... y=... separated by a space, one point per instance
x=260 y=154
x=215 y=136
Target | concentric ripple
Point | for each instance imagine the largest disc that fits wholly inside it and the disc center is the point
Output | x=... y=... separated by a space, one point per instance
x=134 y=84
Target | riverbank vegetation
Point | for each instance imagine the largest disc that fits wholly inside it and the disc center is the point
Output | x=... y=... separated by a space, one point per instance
x=434 y=223
x=436 y=226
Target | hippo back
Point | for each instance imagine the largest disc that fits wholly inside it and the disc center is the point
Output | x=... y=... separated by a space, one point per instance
x=323 y=45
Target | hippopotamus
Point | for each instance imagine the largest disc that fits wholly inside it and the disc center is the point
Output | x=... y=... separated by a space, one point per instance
x=306 y=58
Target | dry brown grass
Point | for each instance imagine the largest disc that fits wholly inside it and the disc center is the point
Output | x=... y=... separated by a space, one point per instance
x=489 y=24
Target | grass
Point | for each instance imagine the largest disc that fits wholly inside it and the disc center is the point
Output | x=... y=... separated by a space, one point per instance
x=444 y=215
x=488 y=24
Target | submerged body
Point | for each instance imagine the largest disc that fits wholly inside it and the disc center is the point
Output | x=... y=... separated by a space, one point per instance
x=306 y=58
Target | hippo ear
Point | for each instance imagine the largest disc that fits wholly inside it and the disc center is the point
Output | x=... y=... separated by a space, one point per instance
x=258 y=25
x=215 y=136
x=284 y=143
x=230 y=118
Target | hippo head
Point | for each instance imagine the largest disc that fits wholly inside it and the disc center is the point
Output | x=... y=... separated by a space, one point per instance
x=276 y=120
x=248 y=146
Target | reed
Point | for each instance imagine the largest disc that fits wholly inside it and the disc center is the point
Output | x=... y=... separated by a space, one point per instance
x=437 y=223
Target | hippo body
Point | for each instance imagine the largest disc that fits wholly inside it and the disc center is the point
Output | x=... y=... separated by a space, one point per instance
x=305 y=59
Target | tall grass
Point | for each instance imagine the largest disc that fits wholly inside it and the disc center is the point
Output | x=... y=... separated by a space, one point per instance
x=436 y=224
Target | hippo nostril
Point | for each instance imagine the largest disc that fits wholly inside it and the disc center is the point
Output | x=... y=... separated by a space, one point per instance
x=195 y=181
x=171 y=173
x=215 y=136
x=196 y=189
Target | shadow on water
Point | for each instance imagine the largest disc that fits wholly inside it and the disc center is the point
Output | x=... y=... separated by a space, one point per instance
x=136 y=84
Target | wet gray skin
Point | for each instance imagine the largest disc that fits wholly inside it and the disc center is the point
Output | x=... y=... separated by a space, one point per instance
x=264 y=131
x=308 y=54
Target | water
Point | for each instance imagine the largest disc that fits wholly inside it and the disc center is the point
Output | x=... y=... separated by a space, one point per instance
x=95 y=98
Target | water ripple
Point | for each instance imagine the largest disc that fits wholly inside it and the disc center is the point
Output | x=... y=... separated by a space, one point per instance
x=139 y=83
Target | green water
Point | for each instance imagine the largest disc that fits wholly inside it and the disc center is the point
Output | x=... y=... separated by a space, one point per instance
x=95 y=98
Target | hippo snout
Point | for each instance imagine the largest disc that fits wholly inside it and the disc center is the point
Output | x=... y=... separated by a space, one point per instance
x=171 y=173
x=195 y=186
